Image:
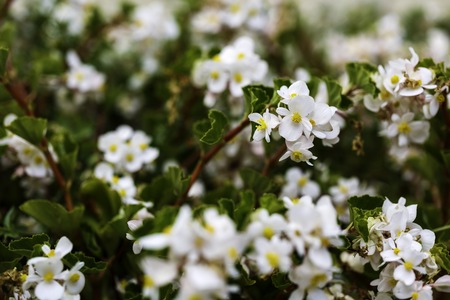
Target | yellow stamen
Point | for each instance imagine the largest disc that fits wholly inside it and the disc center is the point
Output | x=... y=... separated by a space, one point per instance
x=296 y=118
x=297 y=156
x=302 y=181
x=273 y=259
x=395 y=79
x=238 y=77
x=48 y=276
x=262 y=124
x=148 y=281
x=74 y=277
x=268 y=232
x=408 y=266
x=404 y=128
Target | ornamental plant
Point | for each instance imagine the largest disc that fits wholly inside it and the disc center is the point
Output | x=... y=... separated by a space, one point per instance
x=224 y=149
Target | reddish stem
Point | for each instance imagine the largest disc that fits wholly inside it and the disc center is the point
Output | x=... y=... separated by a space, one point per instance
x=210 y=154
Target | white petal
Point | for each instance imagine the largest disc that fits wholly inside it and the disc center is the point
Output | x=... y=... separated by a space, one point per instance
x=49 y=290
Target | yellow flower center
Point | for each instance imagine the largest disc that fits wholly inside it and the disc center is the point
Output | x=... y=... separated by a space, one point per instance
x=273 y=259
x=216 y=57
x=51 y=253
x=240 y=56
x=318 y=279
x=343 y=189
x=115 y=179
x=209 y=228
x=113 y=148
x=38 y=160
x=122 y=192
x=232 y=252
x=297 y=156
x=408 y=266
x=148 y=281
x=302 y=181
x=395 y=79
x=268 y=232
x=235 y=8
x=129 y=157
x=296 y=118
x=23 y=277
x=292 y=95
x=404 y=128
x=313 y=123
x=238 y=77
x=143 y=146
x=195 y=297
x=414 y=296
x=214 y=75
x=262 y=124
x=440 y=98
x=48 y=276
x=396 y=251
x=74 y=277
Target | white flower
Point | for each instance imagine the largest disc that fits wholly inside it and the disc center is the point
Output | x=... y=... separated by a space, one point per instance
x=386 y=282
x=179 y=237
x=74 y=279
x=202 y=282
x=295 y=89
x=266 y=123
x=416 y=291
x=407 y=130
x=81 y=77
x=295 y=119
x=273 y=254
x=442 y=284
x=63 y=247
x=47 y=276
x=411 y=261
x=345 y=189
x=265 y=225
x=157 y=273
x=299 y=184
x=298 y=151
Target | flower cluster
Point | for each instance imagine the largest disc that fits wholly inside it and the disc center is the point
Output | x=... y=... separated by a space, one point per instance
x=237 y=65
x=204 y=252
x=300 y=119
x=31 y=158
x=125 y=151
x=47 y=278
x=402 y=249
x=81 y=77
x=233 y=14
x=406 y=96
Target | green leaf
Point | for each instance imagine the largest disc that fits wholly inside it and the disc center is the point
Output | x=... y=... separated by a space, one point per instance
x=54 y=215
x=334 y=94
x=226 y=206
x=271 y=203
x=244 y=209
x=361 y=209
x=255 y=181
x=67 y=151
x=177 y=179
x=8 y=258
x=25 y=245
x=91 y=266
x=29 y=128
x=280 y=280
x=218 y=123
x=4 y=53
x=277 y=84
x=441 y=255
x=360 y=76
x=106 y=201
x=257 y=97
